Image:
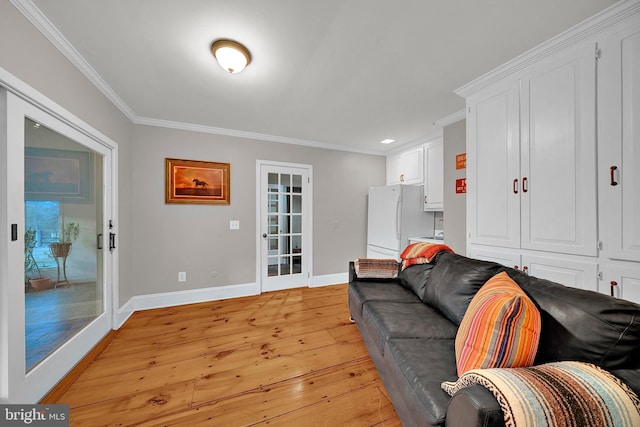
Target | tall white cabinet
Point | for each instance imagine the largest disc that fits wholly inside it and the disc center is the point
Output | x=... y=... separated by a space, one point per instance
x=553 y=158
x=619 y=159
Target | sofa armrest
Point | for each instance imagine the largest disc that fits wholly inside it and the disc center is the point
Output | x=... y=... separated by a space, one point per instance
x=474 y=406
x=352 y=271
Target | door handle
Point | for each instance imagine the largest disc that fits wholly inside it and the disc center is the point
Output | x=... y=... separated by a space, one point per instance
x=612 y=171
x=515 y=186
x=99 y=242
x=264 y=235
x=613 y=285
x=525 y=188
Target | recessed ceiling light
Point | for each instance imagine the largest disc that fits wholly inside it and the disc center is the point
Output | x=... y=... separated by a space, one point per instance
x=387 y=141
x=36 y=125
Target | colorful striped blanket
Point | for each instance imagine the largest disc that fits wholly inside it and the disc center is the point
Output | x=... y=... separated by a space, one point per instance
x=557 y=394
x=370 y=268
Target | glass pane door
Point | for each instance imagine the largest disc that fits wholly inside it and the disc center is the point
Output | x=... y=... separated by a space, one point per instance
x=63 y=218
x=284 y=254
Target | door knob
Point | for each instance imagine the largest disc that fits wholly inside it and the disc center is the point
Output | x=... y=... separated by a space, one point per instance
x=264 y=235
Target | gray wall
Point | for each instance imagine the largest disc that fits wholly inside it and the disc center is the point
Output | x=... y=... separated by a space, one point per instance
x=455 y=205
x=157 y=240
x=197 y=239
x=28 y=55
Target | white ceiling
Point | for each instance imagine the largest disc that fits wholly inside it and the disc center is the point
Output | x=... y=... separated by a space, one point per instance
x=333 y=73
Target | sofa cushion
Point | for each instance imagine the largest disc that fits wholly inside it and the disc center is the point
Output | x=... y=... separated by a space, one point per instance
x=454 y=281
x=500 y=329
x=415 y=277
x=415 y=369
x=401 y=320
x=362 y=291
x=584 y=325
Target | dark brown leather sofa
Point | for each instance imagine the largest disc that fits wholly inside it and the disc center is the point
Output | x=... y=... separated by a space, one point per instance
x=409 y=326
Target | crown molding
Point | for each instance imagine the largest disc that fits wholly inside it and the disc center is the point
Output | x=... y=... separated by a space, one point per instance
x=451 y=119
x=42 y=23
x=147 y=121
x=416 y=142
x=574 y=35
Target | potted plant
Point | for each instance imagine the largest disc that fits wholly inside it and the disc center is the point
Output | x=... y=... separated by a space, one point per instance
x=32 y=274
x=69 y=232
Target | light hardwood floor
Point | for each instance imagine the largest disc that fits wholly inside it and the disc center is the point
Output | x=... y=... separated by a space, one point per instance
x=287 y=358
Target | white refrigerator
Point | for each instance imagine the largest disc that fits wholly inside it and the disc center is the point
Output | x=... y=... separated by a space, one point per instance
x=396 y=212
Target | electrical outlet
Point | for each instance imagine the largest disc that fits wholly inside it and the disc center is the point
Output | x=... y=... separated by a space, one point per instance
x=234 y=224
x=182 y=276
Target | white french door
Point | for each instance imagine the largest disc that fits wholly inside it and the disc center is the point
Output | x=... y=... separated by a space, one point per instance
x=284 y=218
x=57 y=174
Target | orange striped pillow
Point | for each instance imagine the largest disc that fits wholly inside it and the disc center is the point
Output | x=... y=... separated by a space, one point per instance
x=500 y=329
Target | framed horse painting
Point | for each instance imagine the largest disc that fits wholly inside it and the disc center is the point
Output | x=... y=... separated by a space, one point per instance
x=197 y=182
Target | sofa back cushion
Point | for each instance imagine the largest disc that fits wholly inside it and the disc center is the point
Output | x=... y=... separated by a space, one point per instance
x=584 y=325
x=500 y=329
x=454 y=281
x=415 y=276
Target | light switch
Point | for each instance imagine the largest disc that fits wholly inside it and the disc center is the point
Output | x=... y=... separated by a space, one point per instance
x=234 y=224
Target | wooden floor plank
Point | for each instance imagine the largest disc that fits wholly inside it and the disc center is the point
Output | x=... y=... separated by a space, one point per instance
x=264 y=403
x=279 y=358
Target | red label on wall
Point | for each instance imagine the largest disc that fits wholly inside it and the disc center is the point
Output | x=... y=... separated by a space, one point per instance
x=461 y=185
x=461 y=161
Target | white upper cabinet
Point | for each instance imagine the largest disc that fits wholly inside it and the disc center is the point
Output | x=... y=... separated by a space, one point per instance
x=531 y=158
x=558 y=153
x=493 y=167
x=434 y=175
x=406 y=167
x=619 y=141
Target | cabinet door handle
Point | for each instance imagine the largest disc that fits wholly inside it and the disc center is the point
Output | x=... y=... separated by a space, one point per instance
x=401 y=177
x=612 y=171
x=524 y=184
x=425 y=200
x=525 y=269
x=613 y=285
x=515 y=186
x=515 y=267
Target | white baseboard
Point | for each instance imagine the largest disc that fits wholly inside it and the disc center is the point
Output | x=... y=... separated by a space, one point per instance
x=329 y=279
x=190 y=296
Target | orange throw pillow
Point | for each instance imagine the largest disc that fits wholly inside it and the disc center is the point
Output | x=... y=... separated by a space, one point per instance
x=500 y=329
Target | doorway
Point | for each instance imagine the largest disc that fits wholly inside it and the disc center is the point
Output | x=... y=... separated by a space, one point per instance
x=284 y=224
x=59 y=282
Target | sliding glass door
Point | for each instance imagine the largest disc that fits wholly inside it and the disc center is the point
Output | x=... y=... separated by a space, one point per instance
x=59 y=285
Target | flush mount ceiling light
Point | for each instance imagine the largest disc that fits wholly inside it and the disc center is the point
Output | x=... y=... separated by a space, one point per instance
x=387 y=141
x=231 y=55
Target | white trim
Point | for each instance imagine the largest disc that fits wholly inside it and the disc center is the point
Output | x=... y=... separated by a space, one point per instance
x=249 y=135
x=189 y=296
x=416 y=142
x=309 y=240
x=451 y=119
x=329 y=280
x=574 y=35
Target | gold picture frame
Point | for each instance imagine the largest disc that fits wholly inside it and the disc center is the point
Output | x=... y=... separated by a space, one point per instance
x=197 y=182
